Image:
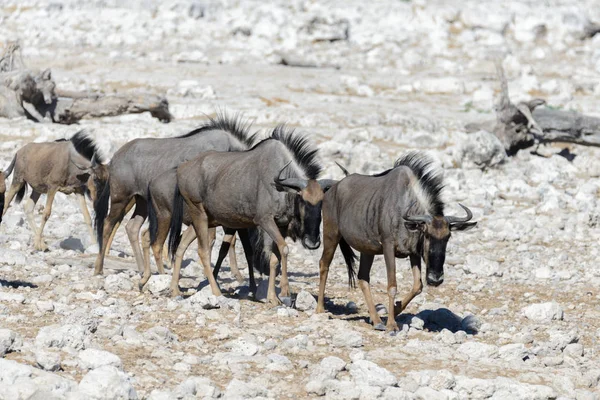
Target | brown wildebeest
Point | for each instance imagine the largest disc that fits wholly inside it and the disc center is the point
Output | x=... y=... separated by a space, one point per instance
x=136 y=163
x=160 y=199
x=272 y=186
x=397 y=213
x=67 y=166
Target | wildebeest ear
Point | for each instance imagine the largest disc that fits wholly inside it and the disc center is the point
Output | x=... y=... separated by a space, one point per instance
x=465 y=226
x=414 y=226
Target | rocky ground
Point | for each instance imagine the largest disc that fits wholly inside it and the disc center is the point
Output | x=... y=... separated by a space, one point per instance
x=518 y=315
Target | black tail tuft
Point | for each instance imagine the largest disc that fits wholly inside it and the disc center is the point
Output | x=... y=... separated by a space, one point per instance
x=350 y=259
x=176 y=222
x=21 y=193
x=101 y=211
x=152 y=218
x=1 y=205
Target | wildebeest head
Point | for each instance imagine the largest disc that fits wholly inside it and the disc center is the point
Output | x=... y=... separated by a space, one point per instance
x=45 y=86
x=435 y=234
x=308 y=202
x=94 y=177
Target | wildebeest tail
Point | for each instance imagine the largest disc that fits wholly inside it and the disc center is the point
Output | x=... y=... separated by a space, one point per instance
x=101 y=211
x=261 y=257
x=21 y=193
x=2 y=190
x=176 y=222
x=152 y=219
x=350 y=259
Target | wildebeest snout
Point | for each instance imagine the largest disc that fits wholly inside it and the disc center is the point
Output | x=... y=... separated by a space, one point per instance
x=434 y=279
x=311 y=244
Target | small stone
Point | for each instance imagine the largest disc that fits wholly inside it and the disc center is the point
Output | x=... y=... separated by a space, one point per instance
x=44 y=306
x=574 y=350
x=237 y=389
x=12 y=297
x=159 y=284
x=9 y=341
x=305 y=301
x=347 y=338
x=107 y=382
x=93 y=358
x=204 y=299
x=117 y=282
x=417 y=323
x=47 y=361
x=543 y=312
x=476 y=350
x=367 y=372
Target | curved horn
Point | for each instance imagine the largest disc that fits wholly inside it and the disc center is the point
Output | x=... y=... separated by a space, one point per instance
x=418 y=218
x=295 y=183
x=326 y=183
x=344 y=170
x=453 y=219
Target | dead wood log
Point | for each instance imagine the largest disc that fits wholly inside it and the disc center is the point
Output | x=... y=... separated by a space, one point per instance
x=525 y=125
x=69 y=110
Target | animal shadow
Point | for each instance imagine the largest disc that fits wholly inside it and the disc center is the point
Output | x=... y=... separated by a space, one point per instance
x=442 y=318
x=17 y=284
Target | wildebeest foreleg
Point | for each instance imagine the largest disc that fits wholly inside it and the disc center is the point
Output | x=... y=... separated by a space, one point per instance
x=116 y=214
x=39 y=241
x=273 y=230
x=133 y=227
x=86 y=216
x=331 y=239
x=415 y=262
x=186 y=239
x=28 y=207
x=364 y=281
x=392 y=287
x=116 y=228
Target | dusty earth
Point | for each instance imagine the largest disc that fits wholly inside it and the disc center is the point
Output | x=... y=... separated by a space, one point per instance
x=518 y=315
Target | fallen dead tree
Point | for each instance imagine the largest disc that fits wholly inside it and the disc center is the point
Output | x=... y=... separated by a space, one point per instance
x=525 y=125
x=24 y=92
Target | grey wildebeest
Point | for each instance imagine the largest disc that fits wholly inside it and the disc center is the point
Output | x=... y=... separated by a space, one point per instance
x=67 y=166
x=160 y=199
x=136 y=163
x=397 y=213
x=273 y=186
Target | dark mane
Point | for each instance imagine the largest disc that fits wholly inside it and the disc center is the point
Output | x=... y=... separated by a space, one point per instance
x=86 y=146
x=304 y=153
x=431 y=181
x=235 y=125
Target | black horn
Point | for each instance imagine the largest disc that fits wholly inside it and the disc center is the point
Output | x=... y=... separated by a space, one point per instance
x=418 y=218
x=452 y=220
x=344 y=170
x=294 y=183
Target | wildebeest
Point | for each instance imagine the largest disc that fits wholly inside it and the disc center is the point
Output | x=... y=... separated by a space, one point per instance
x=67 y=166
x=397 y=213
x=160 y=198
x=137 y=162
x=273 y=185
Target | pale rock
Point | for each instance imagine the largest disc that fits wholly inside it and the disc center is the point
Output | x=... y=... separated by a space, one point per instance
x=244 y=347
x=237 y=389
x=117 y=283
x=161 y=335
x=197 y=386
x=44 y=306
x=396 y=393
x=477 y=350
x=157 y=394
x=159 y=284
x=447 y=85
x=574 y=350
x=279 y=363
x=481 y=266
x=347 y=338
x=543 y=312
x=474 y=388
x=9 y=341
x=107 y=382
x=48 y=361
x=328 y=368
x=93 y=358
x=417 y=323
x=11 y=297
x=71 y=335
x=513 y=351
x=481 y=149
x=367 y=372
x=204 y=299
x=443 y=379
x=426 y=393
x=305 y=301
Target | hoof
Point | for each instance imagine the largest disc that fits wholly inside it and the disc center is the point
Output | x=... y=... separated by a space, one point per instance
x=140 y=286
x=176 y=293
x=379 y=327
x=274 y=302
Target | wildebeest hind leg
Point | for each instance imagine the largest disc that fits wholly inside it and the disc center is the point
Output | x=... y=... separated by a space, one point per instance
x=86 y=216
x=118 y=210
x=330 y=243
x=186 y=239
x=364 y=281
x=29 y=207
x=250 y=257
x=392 y=287
x=134 y=225
x=39 y=241
x=116 y=227
x=415 y=262
x=146 y=253
x=200 y=222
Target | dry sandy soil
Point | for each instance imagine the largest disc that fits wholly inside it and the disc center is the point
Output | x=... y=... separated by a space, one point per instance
x=518 y=315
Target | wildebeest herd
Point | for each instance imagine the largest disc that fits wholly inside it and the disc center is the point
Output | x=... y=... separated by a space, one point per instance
x=266 y=190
